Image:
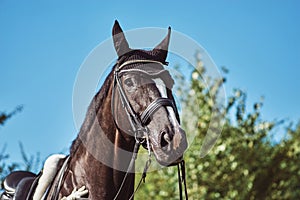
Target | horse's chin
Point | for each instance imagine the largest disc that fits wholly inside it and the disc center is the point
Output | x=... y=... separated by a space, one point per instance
x=166 y=164
x=167 y=159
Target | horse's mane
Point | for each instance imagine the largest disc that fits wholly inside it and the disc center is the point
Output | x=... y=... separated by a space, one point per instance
x=92 y=111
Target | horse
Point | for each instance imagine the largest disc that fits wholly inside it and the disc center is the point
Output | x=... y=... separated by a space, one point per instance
x=134 y=107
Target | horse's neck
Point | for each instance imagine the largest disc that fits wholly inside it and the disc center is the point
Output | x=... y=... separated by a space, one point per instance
x=100 y=160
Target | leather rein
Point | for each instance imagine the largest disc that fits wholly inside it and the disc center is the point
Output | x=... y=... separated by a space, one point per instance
x=138 y=123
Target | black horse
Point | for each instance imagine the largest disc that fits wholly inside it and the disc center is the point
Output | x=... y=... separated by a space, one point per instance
x=134 y=106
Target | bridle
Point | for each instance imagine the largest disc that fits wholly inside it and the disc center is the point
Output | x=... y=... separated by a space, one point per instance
x=138 y=122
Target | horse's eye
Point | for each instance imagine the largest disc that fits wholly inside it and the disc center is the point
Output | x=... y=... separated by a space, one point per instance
x=128 y=82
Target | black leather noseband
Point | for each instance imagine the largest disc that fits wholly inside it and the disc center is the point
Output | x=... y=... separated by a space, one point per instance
x=154 y=106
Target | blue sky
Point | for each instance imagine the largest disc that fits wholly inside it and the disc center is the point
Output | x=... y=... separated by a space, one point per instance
x=43 y=44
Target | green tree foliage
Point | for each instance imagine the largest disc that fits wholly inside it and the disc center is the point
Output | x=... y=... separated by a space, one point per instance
x=6 y=168
x=28 y=163
x=244 y=163
x=5 y=116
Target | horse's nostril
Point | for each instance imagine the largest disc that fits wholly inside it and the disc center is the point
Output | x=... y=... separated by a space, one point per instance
x=165 y=139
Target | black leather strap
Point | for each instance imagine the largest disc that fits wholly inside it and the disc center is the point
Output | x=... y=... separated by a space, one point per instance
x=154 y=106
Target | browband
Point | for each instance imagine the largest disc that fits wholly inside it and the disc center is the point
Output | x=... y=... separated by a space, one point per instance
x=140 y=61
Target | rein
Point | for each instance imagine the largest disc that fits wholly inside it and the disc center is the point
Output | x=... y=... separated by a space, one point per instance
x=138 y=124
x=182 y=178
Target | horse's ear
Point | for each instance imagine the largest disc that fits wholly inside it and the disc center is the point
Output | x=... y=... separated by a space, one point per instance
x=161 y=49
x=120 y=42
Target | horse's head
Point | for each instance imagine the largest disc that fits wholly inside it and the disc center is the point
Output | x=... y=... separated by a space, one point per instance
x=143 y=100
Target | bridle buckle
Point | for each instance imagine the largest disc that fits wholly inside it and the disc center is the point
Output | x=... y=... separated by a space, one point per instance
x=142 y=137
